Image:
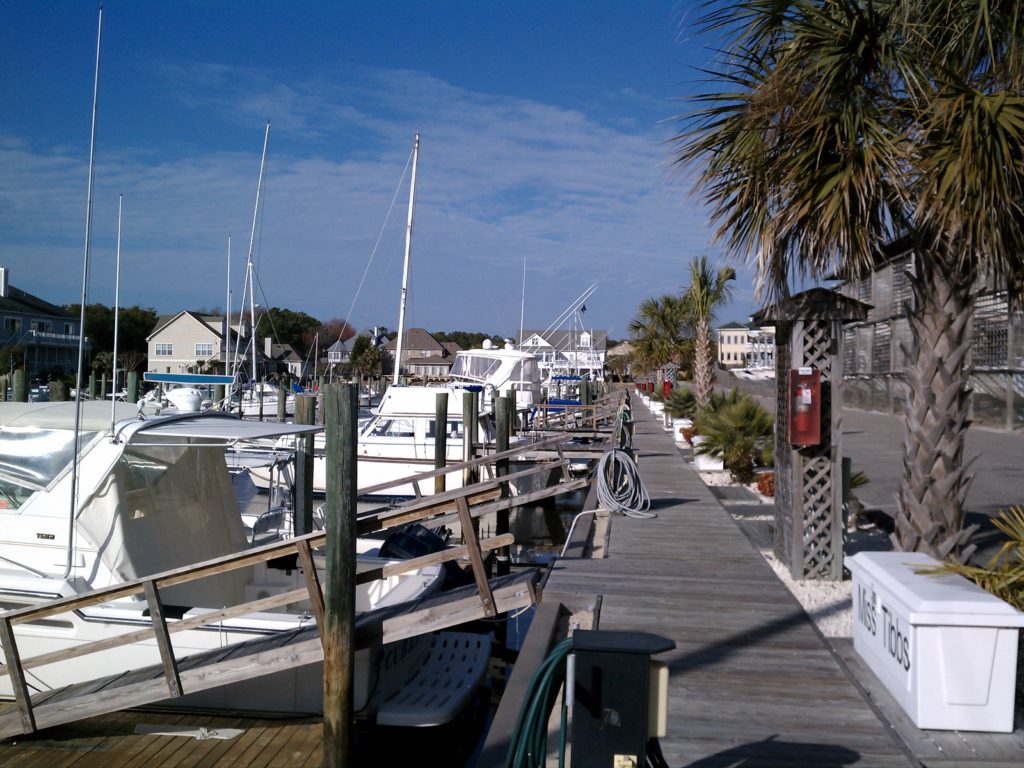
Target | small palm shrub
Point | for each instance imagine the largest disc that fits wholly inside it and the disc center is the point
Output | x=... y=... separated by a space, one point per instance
x=739 y=431
x=766 y=484
x=1003 y=576
x=681 y=404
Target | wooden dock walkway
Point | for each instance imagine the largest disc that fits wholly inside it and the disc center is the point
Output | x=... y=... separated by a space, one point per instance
x=752 y=683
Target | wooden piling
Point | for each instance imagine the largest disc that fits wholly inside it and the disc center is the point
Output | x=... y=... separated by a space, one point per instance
x=92 y=384
x=20 y=386
x=440 y=439
x=58 y=391
x=469 y=429
x=103 y=386
x=282 y=402
x=341 y=408
x=133 y=387
x=503 y=415
x=218 y=392
x=305 y=410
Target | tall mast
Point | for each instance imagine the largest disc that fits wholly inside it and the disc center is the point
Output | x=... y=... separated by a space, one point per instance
x=405 y=266
x=79 y=396
x=250 y=275
x=229 y=363
x=117 y=312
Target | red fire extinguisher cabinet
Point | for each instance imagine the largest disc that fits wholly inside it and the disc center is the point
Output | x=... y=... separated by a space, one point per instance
x=805 y=406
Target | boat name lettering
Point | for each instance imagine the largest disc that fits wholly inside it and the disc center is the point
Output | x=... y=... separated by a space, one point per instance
x=866 y=601
x=895 y=638
x=397 y=651
x=46 y=536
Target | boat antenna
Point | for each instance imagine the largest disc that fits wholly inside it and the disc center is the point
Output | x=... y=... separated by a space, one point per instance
x=252 y=240
x=85 y=287
x=405 y=265
x=117 y=312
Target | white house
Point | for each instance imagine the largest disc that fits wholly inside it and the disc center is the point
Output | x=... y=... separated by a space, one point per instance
x=745 y=346
x=567 y=353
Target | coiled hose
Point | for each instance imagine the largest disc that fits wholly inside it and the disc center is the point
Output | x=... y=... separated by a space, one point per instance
x=530 y=738
x=619 y=486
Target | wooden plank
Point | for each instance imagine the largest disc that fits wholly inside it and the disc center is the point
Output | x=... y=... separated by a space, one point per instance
x=13 y=666
x=475 y=558
x=435 y=558
x=206 y=618
x=315 y=593
x=163 y=639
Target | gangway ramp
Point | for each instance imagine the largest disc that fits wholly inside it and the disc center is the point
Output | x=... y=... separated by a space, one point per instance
x=256 y=658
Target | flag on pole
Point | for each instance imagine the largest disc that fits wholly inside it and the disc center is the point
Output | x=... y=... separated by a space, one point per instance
x=583 y=308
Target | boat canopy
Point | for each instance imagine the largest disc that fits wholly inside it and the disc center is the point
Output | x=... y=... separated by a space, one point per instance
x=214 y=426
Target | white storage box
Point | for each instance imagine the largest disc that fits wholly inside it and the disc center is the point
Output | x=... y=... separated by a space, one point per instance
x=944 y=648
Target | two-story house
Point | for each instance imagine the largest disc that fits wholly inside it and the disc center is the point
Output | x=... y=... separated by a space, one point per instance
x=44 y=336
x=745 y=346
x=189 y=342
x=567 y=353
x=423 y=356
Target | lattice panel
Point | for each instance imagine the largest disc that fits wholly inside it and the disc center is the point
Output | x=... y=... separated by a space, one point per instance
x=818 y=518
x=816 y=347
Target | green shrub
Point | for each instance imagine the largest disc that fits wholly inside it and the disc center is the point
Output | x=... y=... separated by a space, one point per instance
x=739 y=431
x=682 y=403
x=1003 y=576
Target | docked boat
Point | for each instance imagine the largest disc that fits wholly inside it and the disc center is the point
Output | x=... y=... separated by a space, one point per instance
x=398 y=439
x=154 y=494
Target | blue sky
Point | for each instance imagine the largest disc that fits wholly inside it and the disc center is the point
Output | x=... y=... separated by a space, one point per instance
x=544 y=129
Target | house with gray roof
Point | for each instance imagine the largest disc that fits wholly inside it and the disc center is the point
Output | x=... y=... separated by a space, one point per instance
x=45 y=336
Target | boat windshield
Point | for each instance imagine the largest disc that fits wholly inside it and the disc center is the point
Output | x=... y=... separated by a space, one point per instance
x=474 y=367
x=32 y=458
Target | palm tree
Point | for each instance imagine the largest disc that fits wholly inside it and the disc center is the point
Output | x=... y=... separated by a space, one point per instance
x=709 y=289
x=846 y=130
x=657 y=333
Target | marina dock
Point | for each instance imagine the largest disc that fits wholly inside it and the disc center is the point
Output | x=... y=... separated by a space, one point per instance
x=752 y=681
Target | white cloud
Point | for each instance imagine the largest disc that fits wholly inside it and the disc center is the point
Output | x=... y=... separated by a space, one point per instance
x=500 y=179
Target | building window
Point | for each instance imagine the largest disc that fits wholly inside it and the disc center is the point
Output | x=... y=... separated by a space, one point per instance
x=67 y=329
x=12 y=324
x=40 y=325
x=164 y=350
x=202 y=350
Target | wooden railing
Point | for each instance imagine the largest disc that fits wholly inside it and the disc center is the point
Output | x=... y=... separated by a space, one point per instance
x=161 y=629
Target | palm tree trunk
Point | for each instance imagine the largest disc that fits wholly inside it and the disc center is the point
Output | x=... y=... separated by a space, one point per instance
x=702 y=365
x=935 y=481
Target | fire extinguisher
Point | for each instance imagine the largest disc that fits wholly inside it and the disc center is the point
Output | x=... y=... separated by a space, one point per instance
x=668 y=388
x=802 y=409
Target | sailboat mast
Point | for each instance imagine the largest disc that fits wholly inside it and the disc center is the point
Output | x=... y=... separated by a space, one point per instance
x=252 y=239
x=79 y=395
x=117 y=312
x=229 y=363
x=405 y=266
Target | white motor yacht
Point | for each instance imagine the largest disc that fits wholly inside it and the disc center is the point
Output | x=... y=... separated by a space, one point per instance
x=398 y=439
x=152 y=495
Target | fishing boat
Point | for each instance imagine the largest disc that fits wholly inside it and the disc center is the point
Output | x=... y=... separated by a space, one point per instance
x=150 y=495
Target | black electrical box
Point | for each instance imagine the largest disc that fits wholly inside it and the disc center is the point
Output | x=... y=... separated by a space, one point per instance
x=611 y=696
